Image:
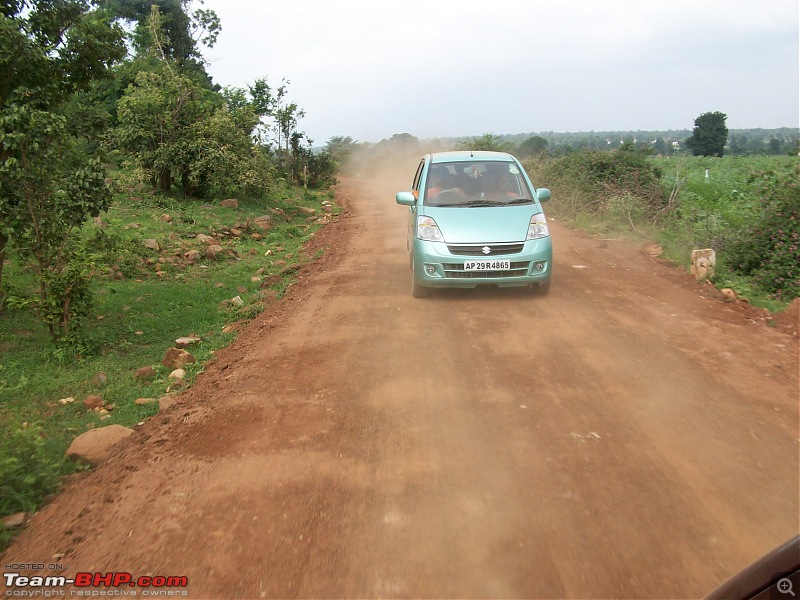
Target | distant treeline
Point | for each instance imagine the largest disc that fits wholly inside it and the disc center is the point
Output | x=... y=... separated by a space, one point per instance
x=741 y=142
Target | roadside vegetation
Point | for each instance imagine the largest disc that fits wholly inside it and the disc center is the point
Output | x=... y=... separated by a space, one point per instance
x=139 y=203
x=154 y=279
x=745 y=208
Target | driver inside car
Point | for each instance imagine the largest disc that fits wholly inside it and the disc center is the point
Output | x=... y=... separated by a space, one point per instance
x=440 y=181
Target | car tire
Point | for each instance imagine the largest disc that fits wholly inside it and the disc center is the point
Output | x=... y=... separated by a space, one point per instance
x=540 y=289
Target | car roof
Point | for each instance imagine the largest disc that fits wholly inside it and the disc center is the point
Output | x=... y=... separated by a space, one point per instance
x=470 y=155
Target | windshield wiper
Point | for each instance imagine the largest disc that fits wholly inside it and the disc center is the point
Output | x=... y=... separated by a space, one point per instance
x=519 y=201
x=480 y=203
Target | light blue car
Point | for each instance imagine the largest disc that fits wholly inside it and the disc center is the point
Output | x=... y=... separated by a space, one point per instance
x=475 y=219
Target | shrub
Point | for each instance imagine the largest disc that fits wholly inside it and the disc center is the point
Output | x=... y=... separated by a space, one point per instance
x=593 y=178
x=29 y=469
x=769 y=251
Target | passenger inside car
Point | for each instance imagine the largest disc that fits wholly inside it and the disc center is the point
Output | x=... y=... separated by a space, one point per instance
x=441 y=180
x=498 y=185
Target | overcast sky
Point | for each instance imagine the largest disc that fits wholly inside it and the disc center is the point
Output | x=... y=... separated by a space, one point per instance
x=431 y=68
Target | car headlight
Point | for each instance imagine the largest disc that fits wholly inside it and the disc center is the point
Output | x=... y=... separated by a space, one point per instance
x=537 y=228
x=428 y=230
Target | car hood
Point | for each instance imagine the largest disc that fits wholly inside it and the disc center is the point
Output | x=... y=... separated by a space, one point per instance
x=479 y=225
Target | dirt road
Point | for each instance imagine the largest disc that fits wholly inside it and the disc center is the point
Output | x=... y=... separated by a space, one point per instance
x=629 y=435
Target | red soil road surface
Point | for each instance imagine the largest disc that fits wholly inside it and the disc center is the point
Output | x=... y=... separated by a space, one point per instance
x=630 y=435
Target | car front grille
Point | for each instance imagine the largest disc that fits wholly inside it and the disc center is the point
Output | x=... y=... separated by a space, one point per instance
x=478 y=249
x=456 y=271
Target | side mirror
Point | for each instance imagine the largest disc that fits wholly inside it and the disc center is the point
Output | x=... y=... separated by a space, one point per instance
x=405 y=198
x=543 y=194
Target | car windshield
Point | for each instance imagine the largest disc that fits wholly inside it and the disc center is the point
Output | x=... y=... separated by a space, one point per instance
x=476 y=184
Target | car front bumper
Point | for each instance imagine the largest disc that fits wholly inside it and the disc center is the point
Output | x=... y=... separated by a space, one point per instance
x=438 y=264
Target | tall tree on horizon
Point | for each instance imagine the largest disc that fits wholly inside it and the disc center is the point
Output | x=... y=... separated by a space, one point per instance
x=709 y=136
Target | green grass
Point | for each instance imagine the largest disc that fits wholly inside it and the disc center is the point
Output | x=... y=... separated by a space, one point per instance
x=726 y=198
x=138 y=313
x=718 y=206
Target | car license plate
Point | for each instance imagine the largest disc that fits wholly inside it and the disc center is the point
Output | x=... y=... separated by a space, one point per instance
x=487 y=265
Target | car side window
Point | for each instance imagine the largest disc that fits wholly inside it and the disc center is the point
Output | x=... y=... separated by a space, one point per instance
x=417 y=178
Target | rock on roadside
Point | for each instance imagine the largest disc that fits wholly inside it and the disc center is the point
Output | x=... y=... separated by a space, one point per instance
x=176 y=358
x=94 y=446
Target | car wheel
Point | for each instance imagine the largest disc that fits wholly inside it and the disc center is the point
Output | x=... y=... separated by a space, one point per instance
x=540 y=289
x=417 y=290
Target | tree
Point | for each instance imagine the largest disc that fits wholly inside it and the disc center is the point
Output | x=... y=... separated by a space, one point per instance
x=222 y=158
x=709 y=135
x=286 y=118
x=340 y=148
x=54 y=187
x=488 y=141
x=532 y=146
x=180 y=131
x=155 y=118
x=158 y=117
x=182 y=31
x=249 y=106
x=49 y=180
x=309 y=168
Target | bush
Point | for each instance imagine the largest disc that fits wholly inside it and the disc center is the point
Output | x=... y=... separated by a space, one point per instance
x=29 y=469
x=769 y=250
x=593 y=179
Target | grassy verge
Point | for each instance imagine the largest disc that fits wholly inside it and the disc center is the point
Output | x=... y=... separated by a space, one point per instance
x=145 y=298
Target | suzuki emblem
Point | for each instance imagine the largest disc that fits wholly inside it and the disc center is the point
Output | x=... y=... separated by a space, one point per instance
x=486 y=250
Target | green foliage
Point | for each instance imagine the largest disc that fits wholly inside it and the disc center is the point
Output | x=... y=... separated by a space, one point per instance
x=49 y=186
x=588 y=180
x=181 y=31
x=49 y=50
x=177 y=129
x=532 y=146
x=143 y=301
x=741 y=207
x=29 y=469
x=115 y=252
x=67 y=301
x=747 y=209
x=768 y=249
x=742 y=142
x=220 y=159
x=49 y=180
x=314 y=170
x=488 y=141
x=155 y=117
x=709 y=136
x=322 y=168
x=340 y=148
